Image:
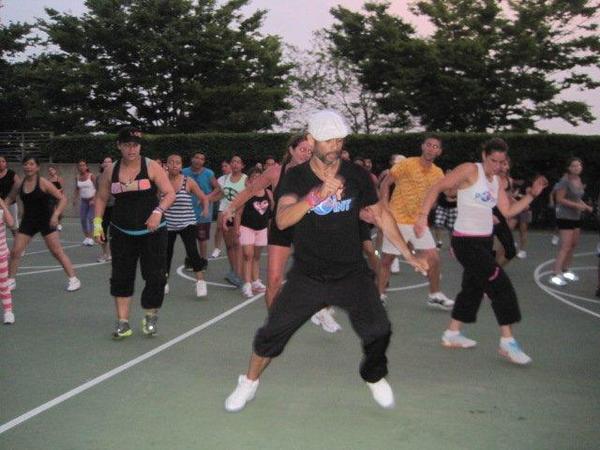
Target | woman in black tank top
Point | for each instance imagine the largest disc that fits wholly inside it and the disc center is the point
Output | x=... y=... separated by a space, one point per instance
x=40 y=215
x=137 y=230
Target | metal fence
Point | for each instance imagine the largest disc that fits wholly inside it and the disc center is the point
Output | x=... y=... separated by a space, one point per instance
x=15 y=144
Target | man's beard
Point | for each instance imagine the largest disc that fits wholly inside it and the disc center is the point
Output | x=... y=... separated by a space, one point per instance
x=324 y=160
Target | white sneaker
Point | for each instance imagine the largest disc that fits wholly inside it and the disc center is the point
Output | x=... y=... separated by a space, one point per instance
x=101 y=259
x=258 y=286
x=328 y=323
x=247 y=290
x=12 y=284
x=558 y=280
x=382 y=393
x=167 y=289
x=521 y=254
x=201 y=290
x=457 y=341
x=216 y=253
x=570 y=276
x=440 y=301
x=73 y=284
x=512 y=351
x=555 y=239
x=9 y=317
x=59 y=227
x=383 y=299
x=395 y=267
x=243 y=393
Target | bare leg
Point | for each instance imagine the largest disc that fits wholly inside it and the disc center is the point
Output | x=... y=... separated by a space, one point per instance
x=122 y=306
x=53 y=244
x=256 y=263
x=574 y=241
x=566 y=239
x=248 y=255
x=257 y=366
x=384 y=271
x=20 y=244
x=433 y=259
x=277 y=257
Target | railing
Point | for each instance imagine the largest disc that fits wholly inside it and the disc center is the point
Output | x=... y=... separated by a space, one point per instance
x=14 y=145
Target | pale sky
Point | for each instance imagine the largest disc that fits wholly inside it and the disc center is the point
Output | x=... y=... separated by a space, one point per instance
x=295 y=21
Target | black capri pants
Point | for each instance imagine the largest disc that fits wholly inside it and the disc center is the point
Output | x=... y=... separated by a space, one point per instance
x=302 y=296
x=151 y=250
x=188 y=236
x=482 y=275
x=504 y=234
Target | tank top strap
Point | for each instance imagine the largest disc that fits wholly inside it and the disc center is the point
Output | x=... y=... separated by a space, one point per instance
x=115 y=172
x=143 y=170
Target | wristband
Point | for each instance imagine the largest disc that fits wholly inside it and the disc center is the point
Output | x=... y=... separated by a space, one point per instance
x=157 y=210
x=313 y=198
x=97 y=227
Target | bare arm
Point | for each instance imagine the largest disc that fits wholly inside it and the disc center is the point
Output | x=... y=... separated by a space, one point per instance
x=8 y=218
x=159 y=176
x=50 y=189
x=385 y=221
x=193 y=187
x=562 y=200
x=217 y=192
x=509 y=209
x=100 y=201
x=461 y=175
x=385 y=188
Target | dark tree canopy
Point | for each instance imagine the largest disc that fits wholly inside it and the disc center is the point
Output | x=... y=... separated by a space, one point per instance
x=482 y=69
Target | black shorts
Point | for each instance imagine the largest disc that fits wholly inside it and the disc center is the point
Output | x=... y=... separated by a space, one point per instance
x=30 y=228
x=568 y=224
x=281 y=238
x=203 y=231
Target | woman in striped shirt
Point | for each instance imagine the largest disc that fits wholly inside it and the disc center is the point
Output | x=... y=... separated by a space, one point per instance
x=181 y=220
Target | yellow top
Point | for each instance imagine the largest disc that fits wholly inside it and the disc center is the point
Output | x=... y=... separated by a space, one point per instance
x=412 y=183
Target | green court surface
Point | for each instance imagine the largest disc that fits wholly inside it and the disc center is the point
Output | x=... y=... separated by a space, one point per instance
x=65 y=384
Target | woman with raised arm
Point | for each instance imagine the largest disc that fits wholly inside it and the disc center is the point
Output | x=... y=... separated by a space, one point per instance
x=478 y=192
x=40 y=214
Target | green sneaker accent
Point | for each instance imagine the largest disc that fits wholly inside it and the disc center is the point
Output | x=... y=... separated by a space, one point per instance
x=122 y=331
x=149 y=325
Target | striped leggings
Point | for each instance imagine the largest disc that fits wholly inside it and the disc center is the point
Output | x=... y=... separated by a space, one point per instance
x=5 y=294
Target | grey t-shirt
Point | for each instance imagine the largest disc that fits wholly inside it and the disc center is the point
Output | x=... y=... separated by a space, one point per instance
x=572 y=194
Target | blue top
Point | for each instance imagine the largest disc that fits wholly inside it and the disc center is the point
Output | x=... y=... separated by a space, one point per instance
x=202 y=178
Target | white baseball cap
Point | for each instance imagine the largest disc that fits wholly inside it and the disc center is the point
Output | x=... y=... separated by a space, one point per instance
x=327 y=124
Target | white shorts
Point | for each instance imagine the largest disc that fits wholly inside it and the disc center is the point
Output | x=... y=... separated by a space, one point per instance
x=248 y=236
x=14 y=211
x=425 y=242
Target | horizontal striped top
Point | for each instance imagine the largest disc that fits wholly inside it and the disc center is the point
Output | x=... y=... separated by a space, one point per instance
x=181 y=213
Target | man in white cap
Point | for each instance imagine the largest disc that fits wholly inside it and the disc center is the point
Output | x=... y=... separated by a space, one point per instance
x=323 y=199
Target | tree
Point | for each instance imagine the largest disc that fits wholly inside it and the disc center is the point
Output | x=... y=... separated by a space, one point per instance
x=323 y=80
x=13 y=98
x=488 y=66
x=164 y=65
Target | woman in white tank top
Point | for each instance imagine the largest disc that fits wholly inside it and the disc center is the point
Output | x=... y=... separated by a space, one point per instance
x=85 y=189
x=472 y=243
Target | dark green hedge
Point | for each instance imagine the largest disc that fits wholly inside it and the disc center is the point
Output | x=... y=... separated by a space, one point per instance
x=531 y=153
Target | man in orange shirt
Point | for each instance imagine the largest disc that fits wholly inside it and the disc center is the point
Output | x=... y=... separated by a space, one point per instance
x=413 y=177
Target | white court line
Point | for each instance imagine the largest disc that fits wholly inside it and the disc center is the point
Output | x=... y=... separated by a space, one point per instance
x=46 y=251
x=59 y=268
x=90 y=384
x=567 y=294
x=537 y=276
x=181 y=273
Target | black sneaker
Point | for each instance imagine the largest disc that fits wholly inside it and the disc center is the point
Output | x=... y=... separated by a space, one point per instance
x=149 y=325
x=122 y=330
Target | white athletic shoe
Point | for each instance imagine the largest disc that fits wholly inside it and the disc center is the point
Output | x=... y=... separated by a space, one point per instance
x=558 y=280
x=570 y=276
x=328 y=323
x=201 y=290
x=382 y=393
x=216 y=253
x=88 y=242
x=167 y=289
x=9 y=317
x=555 y=239
x=73 y=284
x=440 y=301
x=247 y=290
x=258 y=286
x=512 y=351
x=102 y=259
x=457 y=341
x=59 y=227
x=521 y=254
x=12 y=284
x=243 y=393
x=383 y=299
x=395 y=267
